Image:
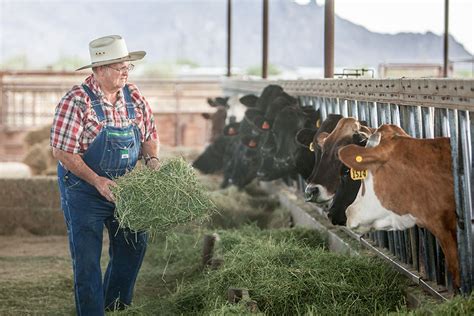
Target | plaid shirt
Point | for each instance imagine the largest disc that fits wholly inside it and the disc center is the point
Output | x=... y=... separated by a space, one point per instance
x=76 y=125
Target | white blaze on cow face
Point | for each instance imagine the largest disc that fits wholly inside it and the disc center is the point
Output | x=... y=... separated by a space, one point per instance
x=367 y=213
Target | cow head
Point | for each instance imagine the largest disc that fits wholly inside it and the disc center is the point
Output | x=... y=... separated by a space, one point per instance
x=246 y=159
x=325 y=179
x=288 y=122
x=213 y=158
x=367 y=212
x=269 y=93
x=346 y=191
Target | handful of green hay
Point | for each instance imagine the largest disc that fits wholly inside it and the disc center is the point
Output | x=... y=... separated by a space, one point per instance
x=155 y=201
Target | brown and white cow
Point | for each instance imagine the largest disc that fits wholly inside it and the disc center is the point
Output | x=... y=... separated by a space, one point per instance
x=409 y=181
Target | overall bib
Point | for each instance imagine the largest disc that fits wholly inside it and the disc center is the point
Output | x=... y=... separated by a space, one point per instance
x=112 y=153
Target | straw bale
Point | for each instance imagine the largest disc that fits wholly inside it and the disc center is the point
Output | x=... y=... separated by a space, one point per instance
x=40 y=158
x=38 y=135
x=31 y=204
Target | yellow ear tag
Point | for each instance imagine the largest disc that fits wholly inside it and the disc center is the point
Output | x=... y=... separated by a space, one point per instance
x=311 y=147
x=318 y=123
x=358 y=174
x=359 y=158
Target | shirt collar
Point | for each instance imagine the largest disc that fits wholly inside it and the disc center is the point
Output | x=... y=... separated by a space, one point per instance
x=91 y=81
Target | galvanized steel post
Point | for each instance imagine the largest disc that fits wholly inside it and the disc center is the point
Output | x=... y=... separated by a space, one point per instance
x=229 y=37
x=265 y=40
x=329 y=39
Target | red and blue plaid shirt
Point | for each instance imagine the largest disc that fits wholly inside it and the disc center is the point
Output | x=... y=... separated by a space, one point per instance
x=75 y=124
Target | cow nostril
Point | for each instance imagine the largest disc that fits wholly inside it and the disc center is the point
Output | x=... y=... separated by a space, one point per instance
x=310 y=192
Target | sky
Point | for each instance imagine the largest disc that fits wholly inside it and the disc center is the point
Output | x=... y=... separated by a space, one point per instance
x=394 y=16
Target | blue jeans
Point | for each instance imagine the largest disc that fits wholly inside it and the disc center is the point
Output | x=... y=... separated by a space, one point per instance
x=86 y=212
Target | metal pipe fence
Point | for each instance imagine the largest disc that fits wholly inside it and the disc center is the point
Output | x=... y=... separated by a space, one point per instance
x=424 y=108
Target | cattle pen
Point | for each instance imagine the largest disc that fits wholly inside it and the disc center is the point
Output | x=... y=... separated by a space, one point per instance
x=425 y=108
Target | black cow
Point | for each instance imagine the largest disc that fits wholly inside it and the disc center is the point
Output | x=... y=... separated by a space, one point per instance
x=288 y=155
x=212 y=159
x=245 y=161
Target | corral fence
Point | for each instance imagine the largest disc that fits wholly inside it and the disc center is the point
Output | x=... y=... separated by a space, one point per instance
x=424 y=108
x=28 y=100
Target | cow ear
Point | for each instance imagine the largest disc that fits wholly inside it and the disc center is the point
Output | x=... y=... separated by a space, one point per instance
x=361 y=158
x=211 y=102
x=321 y=138
x=374 y=140
x=366 y=131
x=305 y=136
x=249 y=100
x=206 y=115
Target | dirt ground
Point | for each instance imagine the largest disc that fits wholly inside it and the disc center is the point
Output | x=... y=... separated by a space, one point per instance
x=36 y=275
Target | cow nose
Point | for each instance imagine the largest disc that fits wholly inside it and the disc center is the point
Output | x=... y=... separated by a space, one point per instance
x=310 y=192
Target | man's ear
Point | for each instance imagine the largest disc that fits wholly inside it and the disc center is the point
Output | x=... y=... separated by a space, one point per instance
x=206 y=115
x=305 y=136
x=322 y=138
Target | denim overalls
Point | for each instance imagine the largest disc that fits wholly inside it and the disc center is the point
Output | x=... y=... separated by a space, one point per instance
x=113 y=152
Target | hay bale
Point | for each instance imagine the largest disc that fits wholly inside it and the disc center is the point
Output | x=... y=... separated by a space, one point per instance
x=31 y=205
x=155 y=201
x=40 y=159
x=38 y=135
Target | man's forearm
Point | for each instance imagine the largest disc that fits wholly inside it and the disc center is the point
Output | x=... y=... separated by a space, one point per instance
x=75 y=164
x=151 y=148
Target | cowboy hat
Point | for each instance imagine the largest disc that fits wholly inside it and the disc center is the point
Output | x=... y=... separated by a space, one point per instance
x=110 y=50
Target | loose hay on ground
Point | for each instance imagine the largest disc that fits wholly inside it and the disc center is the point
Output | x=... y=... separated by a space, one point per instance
x=155 y=201
x=287 y=273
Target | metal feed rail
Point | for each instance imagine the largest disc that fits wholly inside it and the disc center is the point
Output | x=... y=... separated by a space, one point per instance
x=425 y=108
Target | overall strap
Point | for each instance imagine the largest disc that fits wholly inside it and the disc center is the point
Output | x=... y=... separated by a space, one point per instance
x=95 y=102
x=128 y=100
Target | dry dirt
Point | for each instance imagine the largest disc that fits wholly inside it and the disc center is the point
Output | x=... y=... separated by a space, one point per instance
x=26 y=256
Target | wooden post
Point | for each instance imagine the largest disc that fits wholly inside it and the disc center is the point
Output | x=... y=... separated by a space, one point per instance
x=208 y=249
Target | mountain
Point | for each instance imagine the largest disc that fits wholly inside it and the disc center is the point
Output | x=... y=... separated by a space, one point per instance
x=195 y=30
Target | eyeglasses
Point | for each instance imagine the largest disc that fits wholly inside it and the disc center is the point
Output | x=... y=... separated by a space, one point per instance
x=123 y=69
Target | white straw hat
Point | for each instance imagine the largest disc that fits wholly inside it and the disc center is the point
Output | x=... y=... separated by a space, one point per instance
x=110 y=50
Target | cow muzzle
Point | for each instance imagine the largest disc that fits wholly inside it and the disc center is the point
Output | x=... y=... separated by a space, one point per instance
x=316 y=193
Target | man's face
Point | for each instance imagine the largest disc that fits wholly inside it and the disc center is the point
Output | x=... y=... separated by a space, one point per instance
x=114 y=76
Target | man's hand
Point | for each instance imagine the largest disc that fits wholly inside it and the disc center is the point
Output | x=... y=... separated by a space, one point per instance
x=103 y=186
x=76 y=165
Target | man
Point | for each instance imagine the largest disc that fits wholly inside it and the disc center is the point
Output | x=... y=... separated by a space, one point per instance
x=100 y=129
